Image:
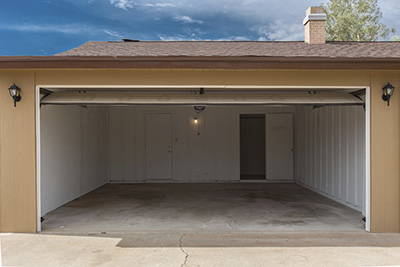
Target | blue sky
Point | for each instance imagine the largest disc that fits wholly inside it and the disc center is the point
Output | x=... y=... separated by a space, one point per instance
x=46 y=27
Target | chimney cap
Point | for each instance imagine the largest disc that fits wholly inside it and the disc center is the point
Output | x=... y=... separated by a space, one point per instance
x=315 y=13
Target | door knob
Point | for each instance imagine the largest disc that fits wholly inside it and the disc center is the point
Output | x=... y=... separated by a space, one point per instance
x=291 y=150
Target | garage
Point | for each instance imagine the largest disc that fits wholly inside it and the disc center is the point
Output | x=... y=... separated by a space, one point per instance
x=202 y=135
x=202 y=157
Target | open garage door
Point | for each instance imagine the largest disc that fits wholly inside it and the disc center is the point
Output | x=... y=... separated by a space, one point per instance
x=114 y=142
x=129 y=98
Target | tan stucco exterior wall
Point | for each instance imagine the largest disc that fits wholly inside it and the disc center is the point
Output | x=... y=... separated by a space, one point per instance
x=385 y=155
x=17 y=155
x=17 y=132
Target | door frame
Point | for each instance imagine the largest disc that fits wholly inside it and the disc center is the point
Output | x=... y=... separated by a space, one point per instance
x=226 y=87
x=237 y=114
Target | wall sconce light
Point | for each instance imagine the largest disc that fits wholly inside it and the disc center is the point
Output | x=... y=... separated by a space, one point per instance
x=15 y=93
x=196 y=120
x=387 y=92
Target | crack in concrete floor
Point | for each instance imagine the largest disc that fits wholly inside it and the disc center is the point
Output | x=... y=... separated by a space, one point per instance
x=183 y=251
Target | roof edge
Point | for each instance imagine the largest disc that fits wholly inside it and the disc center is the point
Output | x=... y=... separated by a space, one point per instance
x=214 y=62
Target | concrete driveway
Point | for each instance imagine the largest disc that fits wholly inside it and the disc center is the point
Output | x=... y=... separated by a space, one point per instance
x=313 y=248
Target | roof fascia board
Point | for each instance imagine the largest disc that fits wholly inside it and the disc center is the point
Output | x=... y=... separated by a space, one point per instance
x=250 y=62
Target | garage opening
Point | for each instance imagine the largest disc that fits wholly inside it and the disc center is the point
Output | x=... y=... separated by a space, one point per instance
x=185 y=160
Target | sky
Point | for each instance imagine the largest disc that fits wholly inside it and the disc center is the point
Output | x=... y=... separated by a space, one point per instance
x=47 y=27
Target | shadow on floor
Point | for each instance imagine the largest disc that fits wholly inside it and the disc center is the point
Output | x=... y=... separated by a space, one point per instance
x=246 y=240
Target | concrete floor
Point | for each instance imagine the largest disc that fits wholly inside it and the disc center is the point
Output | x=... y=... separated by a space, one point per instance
x=230 y=207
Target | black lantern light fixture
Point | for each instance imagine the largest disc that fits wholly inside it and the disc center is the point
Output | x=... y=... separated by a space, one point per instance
x=15 y=93
x=388 y=90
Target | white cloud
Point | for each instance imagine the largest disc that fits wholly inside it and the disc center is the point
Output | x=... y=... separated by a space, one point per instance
x=193 y=31
x=196 y=38
x=129 y=4
x=270 y=19
x=113 y=33
x=187 y=19
x=66 y=28
x=263 y=17
x=75 y=29
x=159 y=5
x=234 y=38
x=176 y=38
x=279 y=31
x=124 y=4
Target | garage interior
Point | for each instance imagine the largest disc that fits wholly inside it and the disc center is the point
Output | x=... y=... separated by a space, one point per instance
x=197 y=160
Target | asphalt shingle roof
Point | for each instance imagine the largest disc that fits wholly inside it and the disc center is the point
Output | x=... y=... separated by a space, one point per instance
x=237 y=49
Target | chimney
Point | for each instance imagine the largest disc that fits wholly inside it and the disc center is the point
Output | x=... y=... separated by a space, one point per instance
x=314 y=25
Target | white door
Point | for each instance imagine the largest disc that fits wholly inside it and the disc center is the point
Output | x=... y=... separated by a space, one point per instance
x=158 y=146
x=279 y=143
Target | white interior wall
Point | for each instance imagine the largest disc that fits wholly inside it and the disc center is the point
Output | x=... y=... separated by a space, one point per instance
x=73 y=153
x=330 y=152
x=214 y=155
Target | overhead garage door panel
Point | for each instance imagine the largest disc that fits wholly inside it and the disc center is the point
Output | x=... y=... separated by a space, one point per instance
x=65 y=98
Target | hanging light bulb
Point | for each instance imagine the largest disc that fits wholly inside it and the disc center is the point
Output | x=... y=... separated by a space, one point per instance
x=198 y=110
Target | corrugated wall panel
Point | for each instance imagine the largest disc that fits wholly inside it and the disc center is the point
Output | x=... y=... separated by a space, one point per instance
x=74 y=153
x=115 y=143
x=330 y=152
x=323 y=152
x=214 y=155
x=352 y=153
x=343 y=153
x=336 y=153
x=361 y=171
